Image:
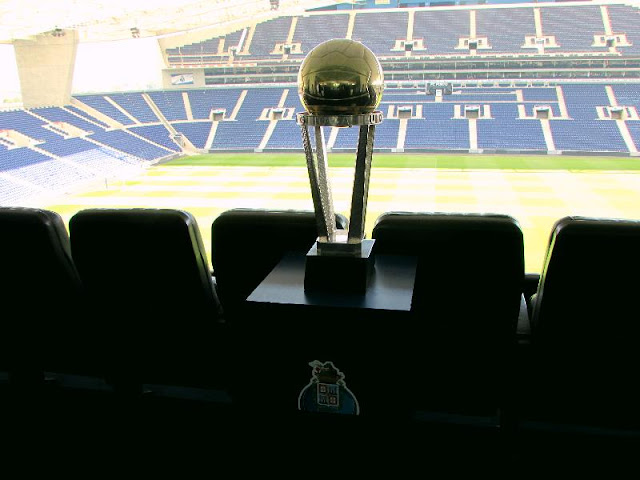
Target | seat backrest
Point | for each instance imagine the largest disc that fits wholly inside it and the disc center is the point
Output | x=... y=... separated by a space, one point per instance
x=40 y=291
x=585 y=321
x=465 y=305
x=246 y=244
x=147 y=276
x=589 y=275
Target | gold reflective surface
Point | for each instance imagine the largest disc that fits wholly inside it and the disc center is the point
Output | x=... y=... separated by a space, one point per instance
x=340 y=77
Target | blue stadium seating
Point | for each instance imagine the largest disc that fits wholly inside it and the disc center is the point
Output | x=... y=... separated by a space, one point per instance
x=170 y=104
x=100 y=103
x=69 y=146
x=247 y=131
x=315 y=29
x=56 y=114
x=20 y=157
x=196 y=132
x=267 y=34
x=157 y=134
x=77 y=111
x=505 y=28
x=389 y=27
x=438 y=129
x=585 y=131
x=122 y=141
x=505 y=131
x=626 y=19
x=628 y=95
x=441 y=30
x=573 y=27
x=136 y=106
x=26 y=124
x=203 y=101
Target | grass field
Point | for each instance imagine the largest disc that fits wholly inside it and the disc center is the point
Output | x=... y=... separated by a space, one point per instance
x=408 y=160
x=536 y=190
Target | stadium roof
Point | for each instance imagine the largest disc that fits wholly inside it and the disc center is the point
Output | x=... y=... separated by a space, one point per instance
x=105 y=20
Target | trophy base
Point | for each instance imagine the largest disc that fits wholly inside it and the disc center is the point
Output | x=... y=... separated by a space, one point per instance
x=337 y=267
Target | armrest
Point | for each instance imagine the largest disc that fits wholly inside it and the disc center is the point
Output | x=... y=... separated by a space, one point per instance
x=523 y=329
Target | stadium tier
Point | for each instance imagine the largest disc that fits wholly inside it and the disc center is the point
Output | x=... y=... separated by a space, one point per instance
x=566 y=117
x=561 y=118
x=548 y=29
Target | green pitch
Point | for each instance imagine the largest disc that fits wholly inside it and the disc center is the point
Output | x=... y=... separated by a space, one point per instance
x=535 y=190
x=408 y=160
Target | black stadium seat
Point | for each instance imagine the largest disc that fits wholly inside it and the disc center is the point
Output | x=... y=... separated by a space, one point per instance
x=466 y=301
x=41 y=299
x=585 y=328
x=150 y=287
x=246 y=244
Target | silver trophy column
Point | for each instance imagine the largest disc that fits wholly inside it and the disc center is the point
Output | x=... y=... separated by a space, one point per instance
x=340 y=84
x=340 y=260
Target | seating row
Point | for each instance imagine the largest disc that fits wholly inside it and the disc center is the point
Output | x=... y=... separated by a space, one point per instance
x=128 y=298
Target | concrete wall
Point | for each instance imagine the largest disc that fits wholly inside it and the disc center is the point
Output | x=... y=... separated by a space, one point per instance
x=45 y=67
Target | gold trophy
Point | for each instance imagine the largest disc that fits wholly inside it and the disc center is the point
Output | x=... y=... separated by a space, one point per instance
x=340 y=84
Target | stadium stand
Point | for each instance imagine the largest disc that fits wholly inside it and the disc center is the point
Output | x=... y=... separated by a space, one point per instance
x=196 y=132
x=441 y=30
x=171 y=105
x=390 y=26
x=505 y=132
x=520 y=366
x=267 y=35
x=313 y=30
x=100 y=103
x=135 y=105
x=121 y=141
x=157 y=134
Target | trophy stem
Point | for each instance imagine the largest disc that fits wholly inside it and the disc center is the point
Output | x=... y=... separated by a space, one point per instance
x=360 y=191
x=318 y=167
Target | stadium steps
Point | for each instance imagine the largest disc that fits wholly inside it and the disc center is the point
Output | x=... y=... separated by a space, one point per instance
x=82 y=118
x=122 y=152
x=239 y=103
x=96 y=113
x=212 y=135
x=122 y=110
x=248 y=39
x=402 y=134
x=473 y=135
x=273 y=123
x=187 y=145
x=187 y=106
x=622 y=124
x=548 y=135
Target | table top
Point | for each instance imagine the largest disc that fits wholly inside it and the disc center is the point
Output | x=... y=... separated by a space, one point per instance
x=390 y=286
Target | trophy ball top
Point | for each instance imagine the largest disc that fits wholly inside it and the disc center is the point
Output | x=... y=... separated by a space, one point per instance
x=340 y=77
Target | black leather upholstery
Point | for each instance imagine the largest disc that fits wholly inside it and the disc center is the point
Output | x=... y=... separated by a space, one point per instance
x=246 y=244
x=465 y=306
x=147 y=276
x=41 y=293
x=585 y=325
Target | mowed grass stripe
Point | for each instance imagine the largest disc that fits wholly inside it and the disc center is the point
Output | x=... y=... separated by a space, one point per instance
x=535 y=198
x=424 y=160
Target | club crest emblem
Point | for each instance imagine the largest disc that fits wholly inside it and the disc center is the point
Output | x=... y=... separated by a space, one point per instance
x=327 y=391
